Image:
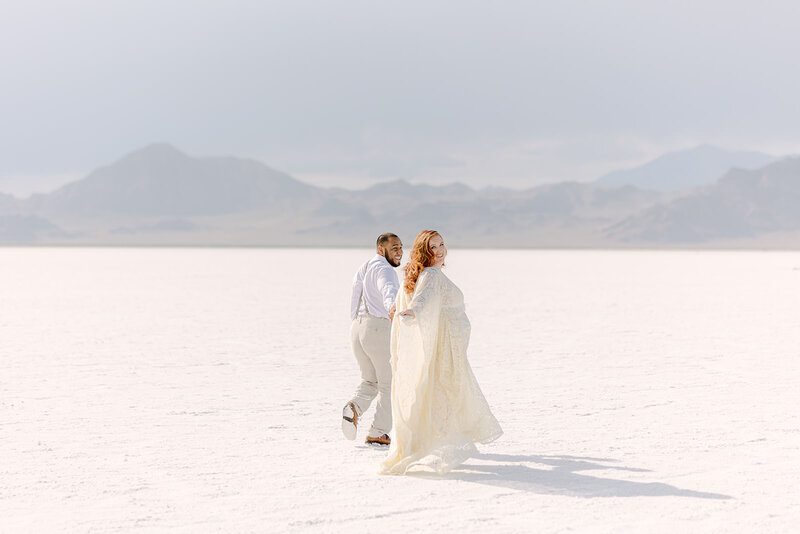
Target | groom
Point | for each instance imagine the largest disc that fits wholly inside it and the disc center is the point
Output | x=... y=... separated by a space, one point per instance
x=375 y=286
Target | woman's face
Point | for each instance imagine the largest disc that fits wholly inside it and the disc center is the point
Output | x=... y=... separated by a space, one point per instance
x=438 y=250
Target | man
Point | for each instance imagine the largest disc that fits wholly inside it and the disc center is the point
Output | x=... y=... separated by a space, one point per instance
x=375 y=286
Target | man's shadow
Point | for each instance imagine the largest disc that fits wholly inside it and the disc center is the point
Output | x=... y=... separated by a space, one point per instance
x=563 y=478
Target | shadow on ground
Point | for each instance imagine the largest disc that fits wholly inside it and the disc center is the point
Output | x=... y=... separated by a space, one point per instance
x=563 y=478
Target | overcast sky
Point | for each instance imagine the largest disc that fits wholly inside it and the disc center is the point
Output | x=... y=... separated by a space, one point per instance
x=352 y=93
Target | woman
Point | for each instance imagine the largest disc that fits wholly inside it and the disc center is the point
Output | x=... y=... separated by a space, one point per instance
x=438 y=409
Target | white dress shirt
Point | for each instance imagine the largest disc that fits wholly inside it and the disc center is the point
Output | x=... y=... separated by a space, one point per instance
x=375 y=284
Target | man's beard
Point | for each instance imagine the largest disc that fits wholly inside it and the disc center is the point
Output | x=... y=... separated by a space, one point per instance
x=390 y=260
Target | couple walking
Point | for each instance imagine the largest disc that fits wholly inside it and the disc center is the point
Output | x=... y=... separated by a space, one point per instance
x=410 y=342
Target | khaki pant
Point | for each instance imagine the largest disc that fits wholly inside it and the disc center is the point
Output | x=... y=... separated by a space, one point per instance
x=370 y=338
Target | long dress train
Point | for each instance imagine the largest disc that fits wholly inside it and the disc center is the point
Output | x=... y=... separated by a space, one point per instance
x=438 y=409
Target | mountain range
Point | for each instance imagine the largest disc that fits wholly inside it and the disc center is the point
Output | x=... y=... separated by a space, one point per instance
x=160 y=196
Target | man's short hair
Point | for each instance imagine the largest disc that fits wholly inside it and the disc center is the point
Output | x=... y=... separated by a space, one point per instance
x=384 y=238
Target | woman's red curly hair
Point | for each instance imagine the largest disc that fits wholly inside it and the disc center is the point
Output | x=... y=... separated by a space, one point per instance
x=421 y=257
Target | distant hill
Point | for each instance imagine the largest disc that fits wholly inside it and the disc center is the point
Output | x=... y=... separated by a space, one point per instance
x=160 y=180
x=16 y=229
x=741 y=204
x=8 y=204
x=567 y=214
x=685 y=169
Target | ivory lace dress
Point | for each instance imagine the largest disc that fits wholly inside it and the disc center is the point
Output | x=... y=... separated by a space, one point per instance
x=438 y=409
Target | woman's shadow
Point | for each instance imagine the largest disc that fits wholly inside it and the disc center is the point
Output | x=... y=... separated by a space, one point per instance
x=562 y=478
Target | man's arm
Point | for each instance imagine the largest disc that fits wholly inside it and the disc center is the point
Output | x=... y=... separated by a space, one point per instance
x=355 y=295
x=388 y=285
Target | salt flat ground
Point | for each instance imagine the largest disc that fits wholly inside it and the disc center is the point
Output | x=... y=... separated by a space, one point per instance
x=200 y=390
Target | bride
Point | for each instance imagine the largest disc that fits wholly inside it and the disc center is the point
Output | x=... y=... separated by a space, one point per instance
x=438 y=409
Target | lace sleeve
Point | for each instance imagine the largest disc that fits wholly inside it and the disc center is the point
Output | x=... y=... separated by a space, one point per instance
x=427 y=290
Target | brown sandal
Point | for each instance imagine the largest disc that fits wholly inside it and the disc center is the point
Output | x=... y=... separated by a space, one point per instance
x=382 y=440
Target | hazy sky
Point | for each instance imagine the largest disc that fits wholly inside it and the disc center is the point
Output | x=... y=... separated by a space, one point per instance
x=351 y=93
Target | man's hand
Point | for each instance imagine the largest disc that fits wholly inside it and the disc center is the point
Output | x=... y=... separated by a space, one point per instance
x=391 y=313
